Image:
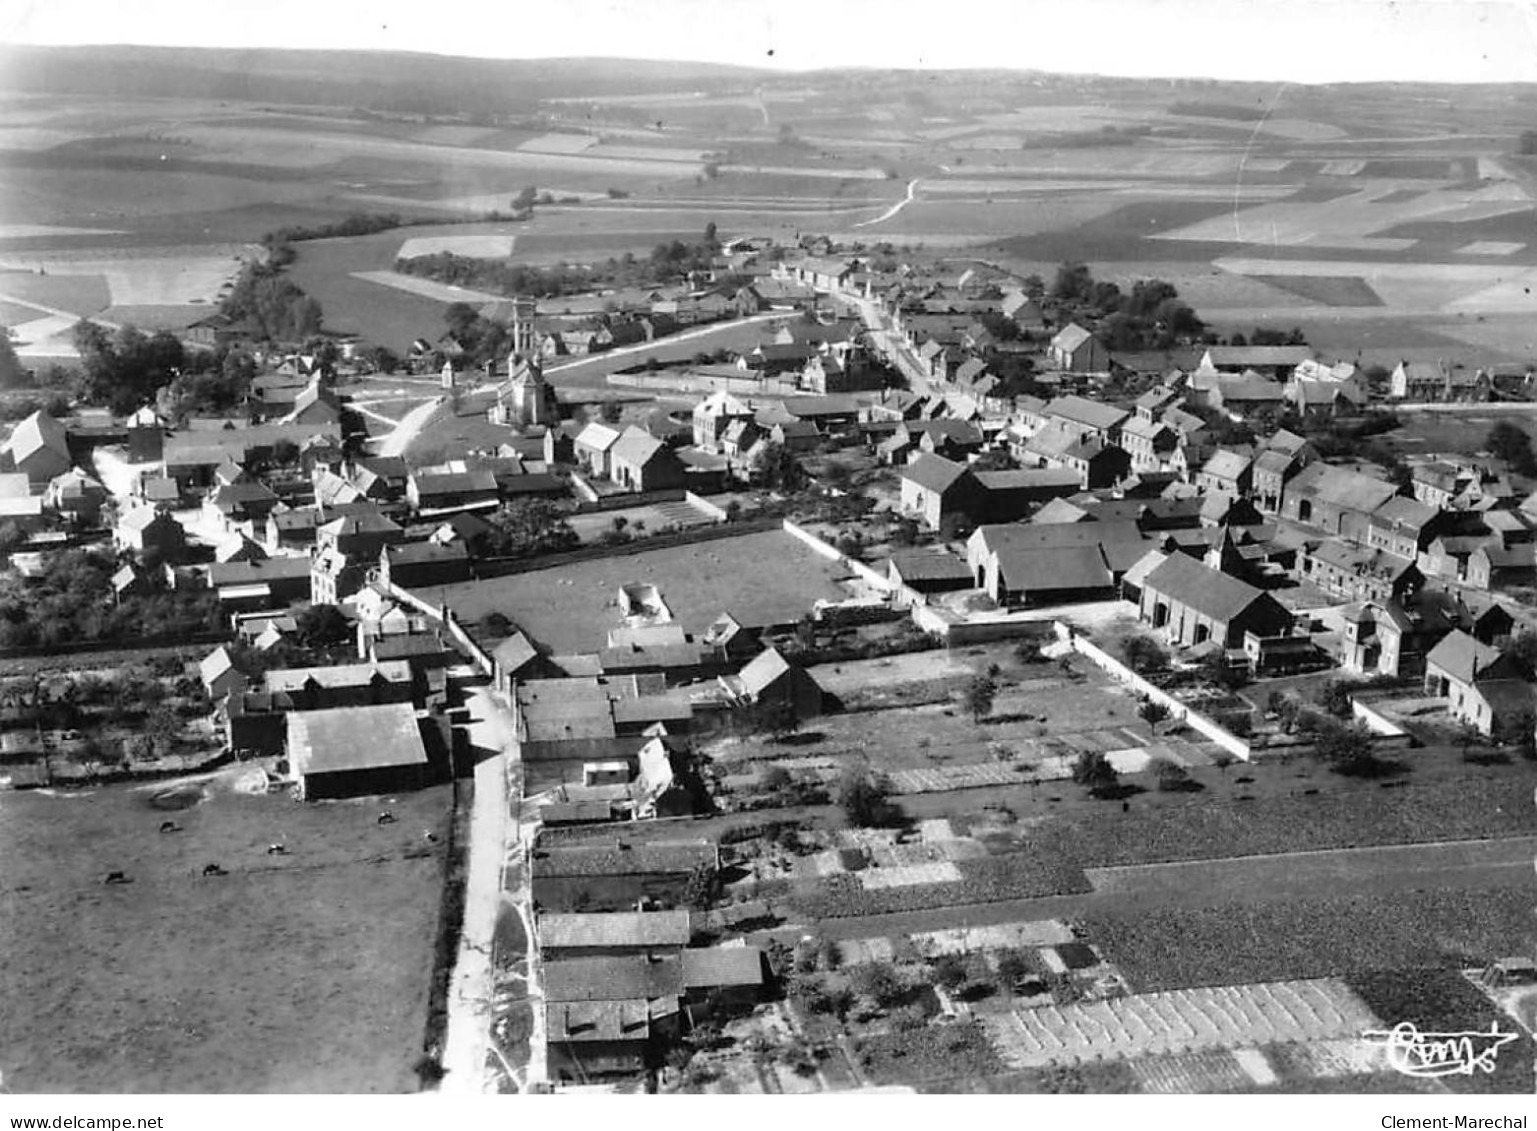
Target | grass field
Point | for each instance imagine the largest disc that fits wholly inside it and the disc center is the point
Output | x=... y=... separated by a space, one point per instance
x=571 y=609
x=302 y=973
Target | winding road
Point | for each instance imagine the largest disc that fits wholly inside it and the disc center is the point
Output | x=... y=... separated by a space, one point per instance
x=912 y=194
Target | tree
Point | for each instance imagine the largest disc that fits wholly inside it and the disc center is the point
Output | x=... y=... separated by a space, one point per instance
x=864 y=797
x=1172 y=777
x=1072 y=282
x=1348 y=749
x=322 y=626
x=702 y=888
x=775 y=467
x=950 y=971
x=525 y=200
x=879 y=982
x=1094 y=770
x=1334 y=697
x=163 y=728
x=1013 y=968
x=12 y=375
x=528 y=527
x=1152 y=712
x=980 y=693
x=1510 y=443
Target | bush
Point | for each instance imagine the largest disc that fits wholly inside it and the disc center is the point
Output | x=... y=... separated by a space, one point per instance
x=1144 y=654
x=864 y=797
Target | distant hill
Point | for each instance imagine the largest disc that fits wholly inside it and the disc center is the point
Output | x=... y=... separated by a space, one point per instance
x=388 y=81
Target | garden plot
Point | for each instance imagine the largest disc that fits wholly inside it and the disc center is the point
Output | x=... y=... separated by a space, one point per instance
x=1202 y=1073
x=1001 y=936
x=906 y=875
x=1181 y=1021
x=471 y=247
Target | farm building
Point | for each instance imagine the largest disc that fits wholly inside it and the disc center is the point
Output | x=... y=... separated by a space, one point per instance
x=614 y=876
x=1193 y=603
x=1335 y=499
x=38 y=449
x=563 y=936
x=929 y=571
x=771 y=679
x=1484 y=687
x=355 y=751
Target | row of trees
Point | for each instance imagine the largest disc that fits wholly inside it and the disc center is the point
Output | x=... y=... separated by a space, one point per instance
x=276 y=305
x=667 y=263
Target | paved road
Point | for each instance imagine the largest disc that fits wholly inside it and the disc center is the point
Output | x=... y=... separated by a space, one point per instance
x=1333 y=873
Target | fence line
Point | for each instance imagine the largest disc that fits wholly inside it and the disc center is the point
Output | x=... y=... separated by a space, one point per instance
x=1122 y=674
x=879 y=581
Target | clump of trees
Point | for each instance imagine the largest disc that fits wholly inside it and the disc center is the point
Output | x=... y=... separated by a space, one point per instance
x=525 y=528
x=668 y=262
x=1150 y=316
x=73 y=601
x=1511 y=443
x=273 y=303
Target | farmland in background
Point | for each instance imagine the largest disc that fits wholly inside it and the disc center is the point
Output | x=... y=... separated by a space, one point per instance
x=1380 y=219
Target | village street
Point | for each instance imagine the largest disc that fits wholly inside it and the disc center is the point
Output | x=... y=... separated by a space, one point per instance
x=470 y=992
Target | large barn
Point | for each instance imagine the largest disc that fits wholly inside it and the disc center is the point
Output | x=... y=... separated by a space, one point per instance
x=355 y=751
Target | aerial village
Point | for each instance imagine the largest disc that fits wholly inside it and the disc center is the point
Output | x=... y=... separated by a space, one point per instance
x=748 y=641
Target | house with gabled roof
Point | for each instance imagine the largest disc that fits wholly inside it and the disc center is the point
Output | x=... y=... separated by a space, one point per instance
x=148 y=528
x=1228 y=471
x=219 y=675
x=593 y=446
x=640 y=462
x=1076 y=350
x=1489 y=689
x=771 y=679
x=1089 y=419
x=37 y=448
x=933 y=487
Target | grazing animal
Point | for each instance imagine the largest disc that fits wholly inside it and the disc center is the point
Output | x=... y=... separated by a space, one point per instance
x=277 y=850
x=213 y=870
x=432 y=837
x=169 y=827
x=386 y=818
x=116 y=878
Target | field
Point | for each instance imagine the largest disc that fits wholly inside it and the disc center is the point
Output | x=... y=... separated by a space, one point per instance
x=300 y=973
x=1317 y=937
x=1372 y=223
x=571 y=608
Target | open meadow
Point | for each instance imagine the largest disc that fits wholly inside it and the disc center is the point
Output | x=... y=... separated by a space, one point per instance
x=571 y=608
x=306 y=972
